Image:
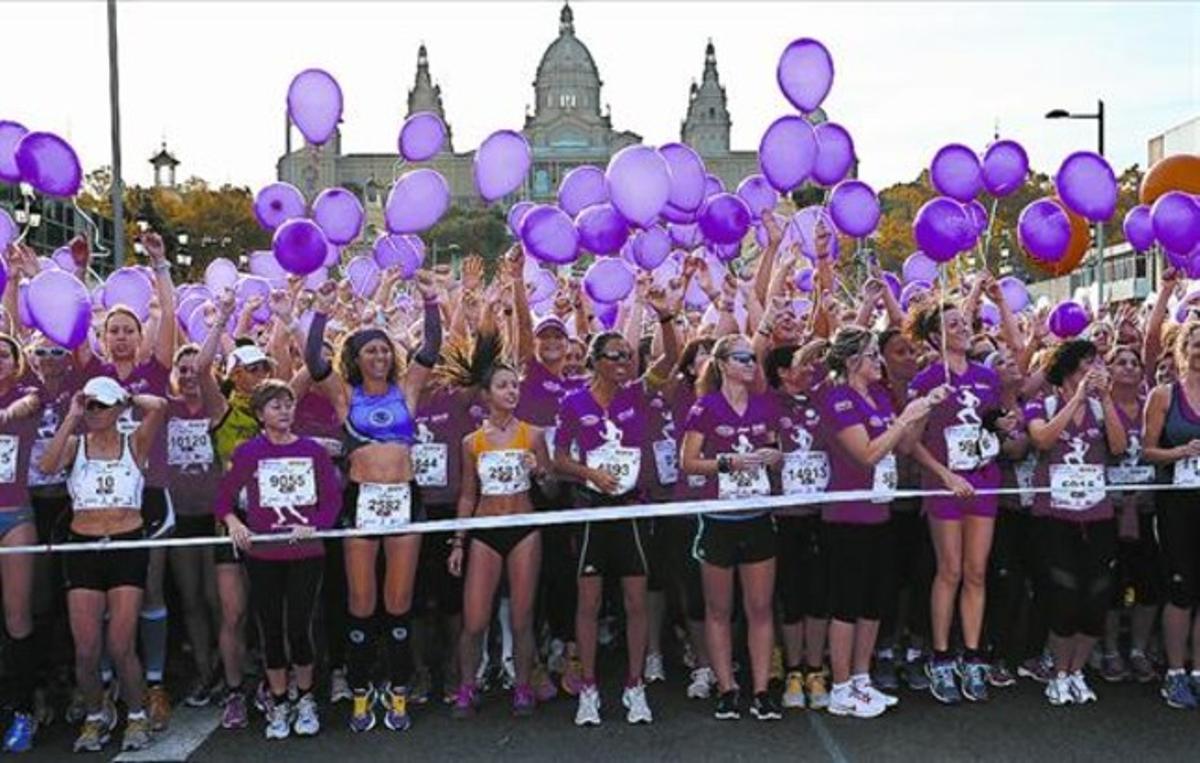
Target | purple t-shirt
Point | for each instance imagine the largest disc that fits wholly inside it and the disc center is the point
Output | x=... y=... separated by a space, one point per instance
x=582 y=426
x=191 y=459
x=444 y=418
x=1075 y=462
x=1130 y=468
x=959 y=422
x=843 y=407
x=147 y=378
x=317 y=419
x=686 y=488
x=801 y=430
x=54 y=410
x=660 y=451
x=726 y=432
x=542 y=392
x=301 y=472
x=16 y=442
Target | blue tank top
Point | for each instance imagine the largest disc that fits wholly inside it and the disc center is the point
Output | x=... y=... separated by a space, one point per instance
x=1182 y=424
x=378 y=418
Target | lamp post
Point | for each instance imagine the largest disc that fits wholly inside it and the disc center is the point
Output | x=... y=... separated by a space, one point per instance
x=1099 y=117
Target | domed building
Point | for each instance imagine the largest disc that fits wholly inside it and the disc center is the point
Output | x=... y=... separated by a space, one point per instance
x=566 y=129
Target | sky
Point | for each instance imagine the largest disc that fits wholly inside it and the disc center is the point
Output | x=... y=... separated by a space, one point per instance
x=211 y=77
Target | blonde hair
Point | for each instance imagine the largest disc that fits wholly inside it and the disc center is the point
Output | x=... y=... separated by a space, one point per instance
x=848 y=342
x=711 y=378
x=1183 y=335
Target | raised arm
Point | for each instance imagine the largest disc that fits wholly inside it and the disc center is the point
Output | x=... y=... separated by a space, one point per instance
x=164 y=346
x=431 y=343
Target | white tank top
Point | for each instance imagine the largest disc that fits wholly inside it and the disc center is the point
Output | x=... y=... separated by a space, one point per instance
x=105 y=483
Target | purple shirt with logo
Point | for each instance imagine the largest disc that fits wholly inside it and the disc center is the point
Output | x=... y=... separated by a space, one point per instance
x=726 y=432
x=445 y=417
x=801 y=429
x=1082 y=443
x=584 y=425
x=843 y=407
x=542 y=392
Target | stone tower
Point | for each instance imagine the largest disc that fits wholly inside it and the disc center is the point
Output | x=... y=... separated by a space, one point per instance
x=706 y=128
x=426 y=96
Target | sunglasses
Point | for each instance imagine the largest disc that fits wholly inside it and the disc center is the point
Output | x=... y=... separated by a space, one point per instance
x=742 y=356
x=49 y=352
x=257 y=368
x=95 y=406
x=616 y=356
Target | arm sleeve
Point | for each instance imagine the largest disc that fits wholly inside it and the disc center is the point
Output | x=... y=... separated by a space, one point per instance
x=318 y=368
x=431 y=344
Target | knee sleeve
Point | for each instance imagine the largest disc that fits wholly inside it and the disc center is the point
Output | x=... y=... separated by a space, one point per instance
x=360 y=651
x=398 y=633
x=22 y=672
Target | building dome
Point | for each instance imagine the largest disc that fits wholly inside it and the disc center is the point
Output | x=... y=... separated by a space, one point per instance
x=567 y=78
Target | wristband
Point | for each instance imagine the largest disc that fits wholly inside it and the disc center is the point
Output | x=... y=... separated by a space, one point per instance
x=666 y=318
x=724 y=464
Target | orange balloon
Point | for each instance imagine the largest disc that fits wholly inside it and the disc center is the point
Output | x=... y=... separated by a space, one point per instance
x=1077 y=247
x=1180 y=172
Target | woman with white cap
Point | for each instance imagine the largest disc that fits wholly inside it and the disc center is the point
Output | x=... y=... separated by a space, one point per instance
x=106 y=480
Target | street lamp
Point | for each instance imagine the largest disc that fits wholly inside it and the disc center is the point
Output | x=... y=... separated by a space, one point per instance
x=1099 y=117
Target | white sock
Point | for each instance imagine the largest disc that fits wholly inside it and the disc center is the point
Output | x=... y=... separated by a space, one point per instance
x=841 y=689
x=861 y=679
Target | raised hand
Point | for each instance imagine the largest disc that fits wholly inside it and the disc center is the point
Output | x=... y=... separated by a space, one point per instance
x=153 y=244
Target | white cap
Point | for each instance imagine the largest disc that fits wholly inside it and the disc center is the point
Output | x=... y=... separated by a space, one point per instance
x=105 y=390
x=246 y=355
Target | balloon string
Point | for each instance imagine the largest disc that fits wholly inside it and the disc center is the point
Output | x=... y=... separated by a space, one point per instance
x=26 y=198
x=942 y=321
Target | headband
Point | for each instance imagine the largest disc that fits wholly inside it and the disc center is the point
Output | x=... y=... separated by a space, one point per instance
x=360 y=339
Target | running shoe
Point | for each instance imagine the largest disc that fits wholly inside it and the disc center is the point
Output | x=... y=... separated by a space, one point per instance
x=362 y=710
x=884 y=675
x=200 y=693
x=523 y=701
x=701 y=683
x=262 y=698
x=278 y=716
x=849 y=701
x=588 y=713
x=654 y=671
x=793 y=690
x=1113 y=668
x=20 y=734
x=95 y=733
x=999 y=676
x=137 y=732
x=572 y=677
x=865 y=686
x=817 y=690
x=913 y=671
x=307 y=723
x=1081 y=693
x=1040 y=669
x=634 y=700
x=777 y=670
x=158 y=706
x=339 y=687
x=1058 y=690
x=233 y=715
x=728 y=706
x=1177 y=691
x=543 y=688
x=466 y=700
x=688 y=658
x=973 y=675
x=763 y=708
x=77 y=709
x=396 y=701
x=941 y=682
x=1142 y=668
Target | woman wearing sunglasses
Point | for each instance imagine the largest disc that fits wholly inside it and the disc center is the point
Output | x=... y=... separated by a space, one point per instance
x=731 y=448
x=863 y=433
x=598 y=439
x=106 y=483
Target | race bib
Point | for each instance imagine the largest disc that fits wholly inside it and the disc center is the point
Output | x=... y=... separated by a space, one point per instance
x=383 y=507
x=429 y=464
x=805 y=472
x=287 y=482
x=36 y=477
x=886 y=478
x=1076 y=487
x=622 y=463
x=8 y=457
x=1024 y=470
x=666 y=461
x=696 y=481
x=503 y=472
x=188 y=442
x=1187 y=472
x=962 y=447
x=106 y=485
x=1130 y=475
x=743 y=483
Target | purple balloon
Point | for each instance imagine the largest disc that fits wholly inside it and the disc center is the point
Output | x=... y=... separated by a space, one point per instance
x=1138 y=227
x=364 y=275
x=277 y=203
x=8 y=230
x=639 y=183
x=918 y=267
x=1014 y=292
x=333 y=255
x=300 y=247
x=399 y=251
x=1087 y=185
x=1068 y=319
x=979 y=215
x=687 y=236
x=759 y=195
x=581 y=188
x=130 y=288
x=255 y=286
x=912 y=291
x=956 y=172
x=10 y=135
x=421 y=136
x=1005 y=167
x=606 y=313
x=197 y=325
x=314 y=103
x=713 y=185
x=183 y=312
x=674 y=214
x=49 y=164
x=724 y=218
x=265 y=265
x=417 y=201
x=221 y=274
x=515 y=214
x=1044 y=230
x=62 y=258
x=892 y=281
x=803 y=230
x=340 y=214
x=314 y=281
x=787 y=152
x=1175 y=218
x=609 y=279
x=549 y=235
x=989 y=314
x=650 y=247
x=501 y=164
x=942 y=228
x=542 y=285
x=804 y=279
x=602 y=229
x=835 y=154
x=854 y=208
x=60 y=307
x=805 y=74
x=687 y=176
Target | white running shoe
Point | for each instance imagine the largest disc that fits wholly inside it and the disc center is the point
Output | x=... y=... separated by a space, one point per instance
x=588 y=713
x=277 y=721
x=634 y=700
x=1058 y=690
x=654 y=671
x=1081 y=693
x=849 y=701
x=339 y=687
x=868 y=688
x=307 y=723
x=702 y=683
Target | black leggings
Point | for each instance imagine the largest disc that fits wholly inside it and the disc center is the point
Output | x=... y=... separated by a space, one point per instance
x=913 y=564
x=290 y=589
x=1081 y=561
x=1178 y=530
x=1011 y=568
x=801 y=580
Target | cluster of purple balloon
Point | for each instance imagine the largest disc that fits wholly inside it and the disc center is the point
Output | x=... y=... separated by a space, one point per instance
x=1173 y=221
x=42 y=159
x=1086 y=186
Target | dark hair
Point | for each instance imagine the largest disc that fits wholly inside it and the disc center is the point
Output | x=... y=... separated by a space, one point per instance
x=887 y=335
x=688 y=357
x=778 y=358
x=267 y=391
x=352 y=344
x=925 y=321
x=1066 y=358
x=466 y=363
x=597 y=345
x=1117 y=349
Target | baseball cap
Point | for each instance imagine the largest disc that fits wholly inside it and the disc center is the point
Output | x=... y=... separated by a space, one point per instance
x=549 y=322
x=105 y=390
x=246 y=355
